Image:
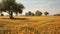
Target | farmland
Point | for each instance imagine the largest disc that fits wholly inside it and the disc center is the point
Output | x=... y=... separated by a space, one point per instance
x=30 y=25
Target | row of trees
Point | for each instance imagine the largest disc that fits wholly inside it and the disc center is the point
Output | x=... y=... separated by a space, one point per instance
x=37 y=13
x=56 y=15
x=10 y=6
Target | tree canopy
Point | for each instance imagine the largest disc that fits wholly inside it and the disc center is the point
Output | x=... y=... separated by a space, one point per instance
x=46 y=13
x=38 y=13
x=11 y=6
x=29 y=13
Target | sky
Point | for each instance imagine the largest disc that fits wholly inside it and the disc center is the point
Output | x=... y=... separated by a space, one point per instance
x=51 y=6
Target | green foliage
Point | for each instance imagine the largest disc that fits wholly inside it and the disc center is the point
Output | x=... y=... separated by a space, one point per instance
x=38 y=13
x=46 y=13
x=11 y=6
x=29 y=13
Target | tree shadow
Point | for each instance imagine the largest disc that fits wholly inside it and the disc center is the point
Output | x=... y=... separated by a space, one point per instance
x=17 y=18
x=20 y=18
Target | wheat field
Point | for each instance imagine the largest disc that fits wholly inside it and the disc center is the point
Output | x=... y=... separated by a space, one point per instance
x=30 y=25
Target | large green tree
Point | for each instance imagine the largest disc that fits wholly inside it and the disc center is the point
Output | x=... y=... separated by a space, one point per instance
x=11 y=7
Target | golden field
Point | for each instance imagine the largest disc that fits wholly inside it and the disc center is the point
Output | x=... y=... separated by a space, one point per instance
x=30 y=25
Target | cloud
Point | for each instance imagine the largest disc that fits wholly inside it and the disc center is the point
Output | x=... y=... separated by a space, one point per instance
x=53 y=6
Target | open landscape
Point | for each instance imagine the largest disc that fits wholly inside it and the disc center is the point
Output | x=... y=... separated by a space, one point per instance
x=30 y=25
x=29 y=16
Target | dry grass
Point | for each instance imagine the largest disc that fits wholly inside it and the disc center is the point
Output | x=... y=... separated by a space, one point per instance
x=30 y=25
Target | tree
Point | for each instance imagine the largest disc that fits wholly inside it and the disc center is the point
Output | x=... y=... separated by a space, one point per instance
x=29 y=13
x=46 y=13
x=32 y=14
x=38 y=13
x=11 y=6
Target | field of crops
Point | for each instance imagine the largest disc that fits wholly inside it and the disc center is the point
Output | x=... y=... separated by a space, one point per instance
x=30 y=25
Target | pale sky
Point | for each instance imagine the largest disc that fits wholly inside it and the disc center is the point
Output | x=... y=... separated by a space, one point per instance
x=52 y=6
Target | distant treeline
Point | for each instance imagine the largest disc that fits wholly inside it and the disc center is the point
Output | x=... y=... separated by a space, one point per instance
x=56 y=15
x=37 y=13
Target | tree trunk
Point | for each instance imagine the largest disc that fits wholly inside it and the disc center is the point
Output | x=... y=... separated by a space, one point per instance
x=11 y=14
